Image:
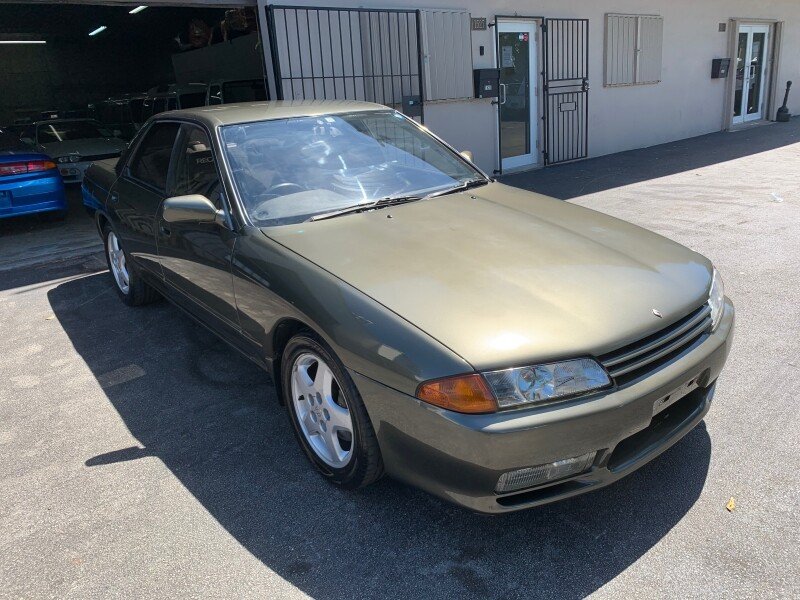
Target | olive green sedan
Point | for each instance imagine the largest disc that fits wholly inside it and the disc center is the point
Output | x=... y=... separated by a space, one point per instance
x=497 y=348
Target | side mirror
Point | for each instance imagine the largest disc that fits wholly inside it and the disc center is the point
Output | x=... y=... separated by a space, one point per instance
x=467 y=154
x=192 y=209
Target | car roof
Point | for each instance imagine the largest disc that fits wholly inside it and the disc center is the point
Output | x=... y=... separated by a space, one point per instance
x=248 y=112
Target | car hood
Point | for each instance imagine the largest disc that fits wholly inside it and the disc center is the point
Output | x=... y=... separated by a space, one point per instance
x=86 y=147
x=503 y=277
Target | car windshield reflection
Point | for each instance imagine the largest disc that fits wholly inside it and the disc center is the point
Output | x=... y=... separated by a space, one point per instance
x=289 y=170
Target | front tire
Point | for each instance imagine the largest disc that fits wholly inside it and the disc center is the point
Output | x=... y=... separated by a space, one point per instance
x=328 y=416
x=132 y=289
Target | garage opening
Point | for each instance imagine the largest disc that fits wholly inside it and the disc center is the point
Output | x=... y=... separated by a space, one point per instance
x=75 y=70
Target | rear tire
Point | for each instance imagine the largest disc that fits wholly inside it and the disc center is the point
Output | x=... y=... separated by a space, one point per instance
x=132 y=289
x=328 y=416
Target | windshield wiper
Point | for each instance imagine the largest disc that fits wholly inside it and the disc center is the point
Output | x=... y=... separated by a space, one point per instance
x=395 y=200
x=477 y=182
x=357 y=208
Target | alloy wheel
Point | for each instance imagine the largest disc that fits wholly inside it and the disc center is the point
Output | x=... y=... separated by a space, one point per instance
x=321 y=410
x=116 y=258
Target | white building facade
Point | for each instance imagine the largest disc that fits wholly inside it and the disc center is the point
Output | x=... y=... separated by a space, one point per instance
x=573 y=79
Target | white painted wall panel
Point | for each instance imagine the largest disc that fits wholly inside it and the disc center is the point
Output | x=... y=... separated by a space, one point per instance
x=633 y=49
x=447 y=60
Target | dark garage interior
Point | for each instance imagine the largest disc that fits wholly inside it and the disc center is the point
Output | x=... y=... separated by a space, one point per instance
x=134 y=53
x=110 y=67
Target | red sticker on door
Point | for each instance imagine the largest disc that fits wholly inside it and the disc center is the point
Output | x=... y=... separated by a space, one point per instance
x=523 y=37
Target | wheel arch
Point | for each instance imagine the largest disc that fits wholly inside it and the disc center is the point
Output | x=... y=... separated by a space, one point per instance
x=284 y=331
x=101 y=220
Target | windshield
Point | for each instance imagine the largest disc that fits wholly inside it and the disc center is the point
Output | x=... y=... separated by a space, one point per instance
x=63 y=131
x=289 y=170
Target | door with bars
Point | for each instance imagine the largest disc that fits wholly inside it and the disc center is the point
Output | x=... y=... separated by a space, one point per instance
x=566 y=89
x=347 y=54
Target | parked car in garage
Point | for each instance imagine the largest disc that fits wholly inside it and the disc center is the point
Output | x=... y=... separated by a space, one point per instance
x=241 y=90
x=73 y=143
x=173 y=97
x=498 y=348
x=121 y=114
x=29 y=180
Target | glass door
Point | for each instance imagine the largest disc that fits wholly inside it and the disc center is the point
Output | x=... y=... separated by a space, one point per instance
x=516 y=47
x=752 y=59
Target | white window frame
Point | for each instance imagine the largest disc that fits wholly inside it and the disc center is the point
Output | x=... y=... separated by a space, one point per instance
x=655 y=61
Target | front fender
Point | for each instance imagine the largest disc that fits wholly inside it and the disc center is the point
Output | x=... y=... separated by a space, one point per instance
x=272 y=284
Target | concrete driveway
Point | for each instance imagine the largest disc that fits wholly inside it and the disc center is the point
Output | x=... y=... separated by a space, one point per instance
x=142 y=458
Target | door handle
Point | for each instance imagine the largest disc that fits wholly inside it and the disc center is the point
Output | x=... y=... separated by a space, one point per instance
x=165 y=230
x=502 y=93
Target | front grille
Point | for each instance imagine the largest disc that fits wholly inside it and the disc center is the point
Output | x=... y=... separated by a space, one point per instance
x=651 y=352
x=99 y=157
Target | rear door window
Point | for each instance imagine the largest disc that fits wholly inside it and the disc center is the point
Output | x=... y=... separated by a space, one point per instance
x=150 y=165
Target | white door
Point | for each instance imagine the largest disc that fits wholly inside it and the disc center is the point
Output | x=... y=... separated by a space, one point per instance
x=516 y=44
x=752 y=62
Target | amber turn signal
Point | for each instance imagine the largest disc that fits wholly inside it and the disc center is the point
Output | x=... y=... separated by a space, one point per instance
x=463 y=393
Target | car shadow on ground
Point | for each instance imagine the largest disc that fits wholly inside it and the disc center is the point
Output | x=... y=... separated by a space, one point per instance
x=213 y=419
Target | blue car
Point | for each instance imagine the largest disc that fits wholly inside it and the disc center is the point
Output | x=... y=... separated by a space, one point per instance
x=29 y=181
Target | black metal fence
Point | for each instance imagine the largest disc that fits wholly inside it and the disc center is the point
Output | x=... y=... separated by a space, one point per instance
x=349 y=54
x=566 y=89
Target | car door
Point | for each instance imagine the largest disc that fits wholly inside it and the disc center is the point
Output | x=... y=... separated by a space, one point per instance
x=196 y=257
x=136 y=198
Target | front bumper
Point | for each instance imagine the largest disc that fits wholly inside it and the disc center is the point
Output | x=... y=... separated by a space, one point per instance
x=460 y=457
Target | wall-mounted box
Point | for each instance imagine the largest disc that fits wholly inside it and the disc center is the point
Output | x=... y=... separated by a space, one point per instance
x=720 y=67
x=487 y=82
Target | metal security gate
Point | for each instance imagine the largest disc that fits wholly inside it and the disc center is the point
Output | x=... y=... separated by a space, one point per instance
x=566 y=89
x=347 y=54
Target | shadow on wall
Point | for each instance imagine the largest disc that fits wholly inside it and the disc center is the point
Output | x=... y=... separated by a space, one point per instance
x=625 y=168
x=213 y=419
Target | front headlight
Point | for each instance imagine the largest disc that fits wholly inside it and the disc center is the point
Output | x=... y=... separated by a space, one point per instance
x=72 y=158
x=543 y=383
x=487 y=392
x=716 y=299
x=63 y=159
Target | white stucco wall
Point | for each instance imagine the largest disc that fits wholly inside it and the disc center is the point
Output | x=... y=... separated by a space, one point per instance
x=686 y=103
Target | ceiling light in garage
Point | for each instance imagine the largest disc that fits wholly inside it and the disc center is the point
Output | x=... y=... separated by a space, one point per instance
x=98 y=30
x=23 y=42
x=138 y=9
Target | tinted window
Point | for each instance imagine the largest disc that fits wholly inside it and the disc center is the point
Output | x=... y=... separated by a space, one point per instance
x=196 y=171
x=136 y=110
x=147 y=109
x=244 y=91
x=151 y=162
x=214 y=95
x=160 y=105
x=193 y=100
x=62 y=131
